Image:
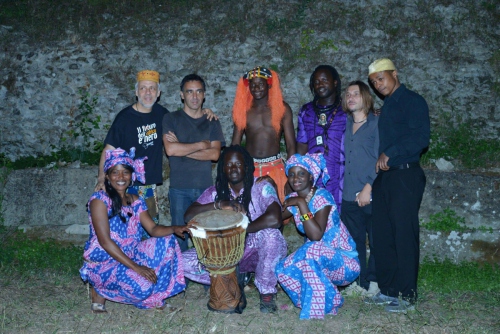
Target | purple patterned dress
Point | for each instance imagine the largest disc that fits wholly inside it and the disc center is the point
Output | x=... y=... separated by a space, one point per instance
x=263 y=249
x=311 y=274
x=332 y=145
x=113 y=280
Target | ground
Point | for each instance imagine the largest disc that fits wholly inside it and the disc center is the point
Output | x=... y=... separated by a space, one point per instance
x=48 y=303
x=45 y=303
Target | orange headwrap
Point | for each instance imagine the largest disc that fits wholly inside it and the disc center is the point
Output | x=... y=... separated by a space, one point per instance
x=148 y=75
x=243 y=102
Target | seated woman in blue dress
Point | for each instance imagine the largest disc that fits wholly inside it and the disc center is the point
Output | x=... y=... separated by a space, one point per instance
x=328 y=258
x=118 y=265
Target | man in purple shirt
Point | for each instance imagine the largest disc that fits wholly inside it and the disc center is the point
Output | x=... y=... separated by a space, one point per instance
x=235 y=189
x=321 y=126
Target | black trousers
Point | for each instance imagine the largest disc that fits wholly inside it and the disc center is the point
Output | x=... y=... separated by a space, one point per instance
x=359 y=223
x=396 y=201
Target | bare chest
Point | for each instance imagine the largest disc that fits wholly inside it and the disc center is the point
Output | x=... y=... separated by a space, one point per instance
x=258 y=118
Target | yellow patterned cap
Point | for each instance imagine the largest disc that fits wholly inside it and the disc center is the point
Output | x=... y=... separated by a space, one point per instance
x=379 y=65
x=149 y=75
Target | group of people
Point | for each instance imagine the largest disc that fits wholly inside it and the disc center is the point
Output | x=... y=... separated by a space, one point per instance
x=351 y=173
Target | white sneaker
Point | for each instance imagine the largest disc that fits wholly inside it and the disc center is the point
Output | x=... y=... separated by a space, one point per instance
x=373 y=289
x=354 y=289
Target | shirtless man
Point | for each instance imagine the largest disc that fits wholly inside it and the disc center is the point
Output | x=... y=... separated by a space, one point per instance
x=260 y=113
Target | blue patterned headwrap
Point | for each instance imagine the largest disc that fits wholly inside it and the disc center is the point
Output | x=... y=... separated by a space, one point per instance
x=314 y=163
x=120 y=157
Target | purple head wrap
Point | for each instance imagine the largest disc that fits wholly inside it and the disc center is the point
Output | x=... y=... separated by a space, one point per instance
x=120 y=157
x=314 y=163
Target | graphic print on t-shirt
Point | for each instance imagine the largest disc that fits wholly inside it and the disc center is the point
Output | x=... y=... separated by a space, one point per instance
x=146 y=134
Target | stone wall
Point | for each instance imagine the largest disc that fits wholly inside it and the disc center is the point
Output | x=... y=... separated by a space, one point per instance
x=446 y=51
x=56 y=197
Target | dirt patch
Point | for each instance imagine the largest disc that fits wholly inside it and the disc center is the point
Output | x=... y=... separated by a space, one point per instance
x=51 y=304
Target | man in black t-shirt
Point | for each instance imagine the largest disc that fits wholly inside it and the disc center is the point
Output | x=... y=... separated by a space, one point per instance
x=140 y=125
x=191 y=142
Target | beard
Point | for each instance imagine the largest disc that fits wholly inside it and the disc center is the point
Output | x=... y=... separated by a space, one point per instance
x=142 y=103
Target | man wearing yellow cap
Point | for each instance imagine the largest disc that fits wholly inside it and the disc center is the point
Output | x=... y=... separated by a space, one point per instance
x=404 y=132
x=140 y=125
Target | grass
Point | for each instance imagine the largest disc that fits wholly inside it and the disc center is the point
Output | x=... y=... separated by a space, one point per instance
x=22 y=255
x=42 y=292
x=448 y=277
x=25 y=255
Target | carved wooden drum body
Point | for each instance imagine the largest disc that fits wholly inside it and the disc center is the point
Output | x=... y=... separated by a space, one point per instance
x=220 y=242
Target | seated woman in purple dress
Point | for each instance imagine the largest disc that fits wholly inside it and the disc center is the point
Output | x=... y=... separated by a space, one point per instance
x=118 y=265
x=328 y=258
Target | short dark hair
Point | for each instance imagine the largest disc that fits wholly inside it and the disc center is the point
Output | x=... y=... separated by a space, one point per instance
x=364 y=90
x=335 y=76
x=193 y=77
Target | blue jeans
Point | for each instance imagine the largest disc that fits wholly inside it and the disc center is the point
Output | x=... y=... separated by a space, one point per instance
x=180 y=200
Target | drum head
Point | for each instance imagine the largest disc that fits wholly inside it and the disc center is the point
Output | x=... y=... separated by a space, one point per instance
x=215 y=220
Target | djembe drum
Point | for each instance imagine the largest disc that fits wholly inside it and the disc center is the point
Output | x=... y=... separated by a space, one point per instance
x=220 y=241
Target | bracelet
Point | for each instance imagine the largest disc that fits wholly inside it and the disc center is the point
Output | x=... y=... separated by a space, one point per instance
x=305 y=217
x=219 y=205
x=215 y=208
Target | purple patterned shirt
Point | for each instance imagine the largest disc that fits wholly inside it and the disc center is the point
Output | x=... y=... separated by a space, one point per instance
x=263 y=195
x=310 y=132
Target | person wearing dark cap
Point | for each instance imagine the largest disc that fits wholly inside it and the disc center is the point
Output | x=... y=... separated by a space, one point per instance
x=404 y=132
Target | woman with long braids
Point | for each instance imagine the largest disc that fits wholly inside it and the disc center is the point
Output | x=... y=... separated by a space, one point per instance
x=236 y=189
x=328 y=258
x=118 y=265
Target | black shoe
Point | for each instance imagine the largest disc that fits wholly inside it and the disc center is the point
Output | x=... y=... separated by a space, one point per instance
x=268 y=303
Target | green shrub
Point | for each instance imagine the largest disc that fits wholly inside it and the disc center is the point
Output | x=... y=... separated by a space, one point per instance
x=462 y=143
x=446 y=221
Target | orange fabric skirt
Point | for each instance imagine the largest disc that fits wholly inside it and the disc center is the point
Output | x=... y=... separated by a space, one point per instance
x=276 y=170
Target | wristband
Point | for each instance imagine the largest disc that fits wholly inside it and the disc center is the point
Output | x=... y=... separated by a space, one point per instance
x=305 y=217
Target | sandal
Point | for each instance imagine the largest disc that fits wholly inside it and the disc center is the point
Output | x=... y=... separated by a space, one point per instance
x=98 y=308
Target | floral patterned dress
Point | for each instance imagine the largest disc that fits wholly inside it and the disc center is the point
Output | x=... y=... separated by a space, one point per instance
x=113 y=280
x=311 y=274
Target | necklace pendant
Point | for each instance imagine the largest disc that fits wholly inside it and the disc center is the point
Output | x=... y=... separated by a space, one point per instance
x=322 y=119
